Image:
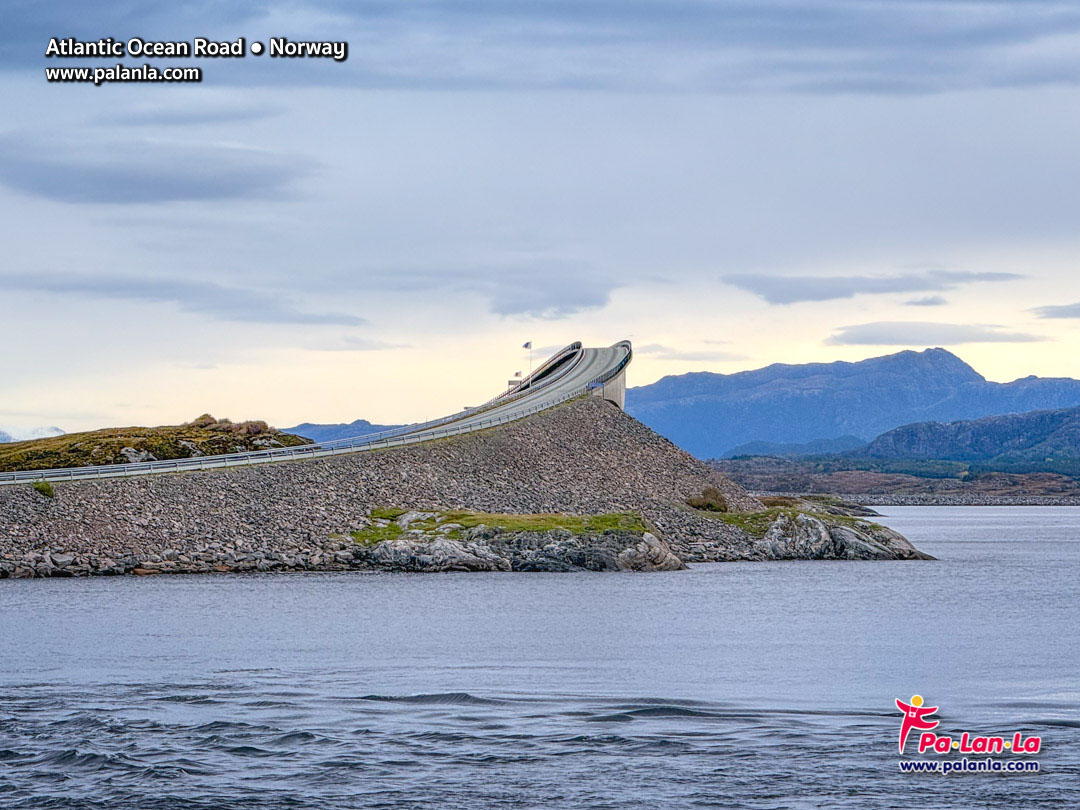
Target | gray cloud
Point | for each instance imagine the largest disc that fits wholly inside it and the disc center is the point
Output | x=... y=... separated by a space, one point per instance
x=190 y=113
x=1058 y=311
x=547 y=290
x=534 y=293
x=815 y=45
x=793 y=289
x=915 y=333
x=928 y=301
x=661 y=352
x=93 y=170
x=200 y=297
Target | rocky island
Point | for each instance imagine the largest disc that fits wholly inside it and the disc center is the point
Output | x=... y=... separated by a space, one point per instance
x=582 y=486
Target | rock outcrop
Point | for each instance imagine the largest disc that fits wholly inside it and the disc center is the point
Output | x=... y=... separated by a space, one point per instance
x=805 y=536
x=585 y=457
x=451 y=547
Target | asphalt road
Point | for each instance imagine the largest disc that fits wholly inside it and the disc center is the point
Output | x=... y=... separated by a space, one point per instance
x=568 y=374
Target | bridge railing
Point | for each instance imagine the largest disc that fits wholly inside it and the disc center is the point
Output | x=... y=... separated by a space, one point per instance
x=401 y=437
x=366 y=438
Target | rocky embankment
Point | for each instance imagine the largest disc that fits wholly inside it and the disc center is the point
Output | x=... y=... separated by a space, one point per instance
x=420 y=542
x=584 y=458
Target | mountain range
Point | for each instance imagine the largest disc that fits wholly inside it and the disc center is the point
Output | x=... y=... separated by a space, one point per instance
x=1043 y=439
x=710 y=414
x=840 y=444
x=348 y=430
x=1021 y=454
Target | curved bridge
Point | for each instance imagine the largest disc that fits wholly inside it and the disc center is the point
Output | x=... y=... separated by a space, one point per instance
x=569 y=373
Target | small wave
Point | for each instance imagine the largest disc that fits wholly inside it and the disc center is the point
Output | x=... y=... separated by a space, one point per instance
x=81 y=721
x=593 y=739
x=610 y=718
x=226 y=726
x=1055 y=722
x=441 y=736
x=156 y=772
x=669 y=711
x=249 y=751
x=71 y=758
x=1030 y=704
x=269 y=704
x=662 y=701
x=296 y=737
x=438 y=698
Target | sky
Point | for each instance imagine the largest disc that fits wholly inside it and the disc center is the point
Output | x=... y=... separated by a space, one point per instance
x=727 y=184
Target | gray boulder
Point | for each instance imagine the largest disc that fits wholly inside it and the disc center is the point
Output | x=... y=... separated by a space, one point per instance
x=133 y=456
x=811 y=537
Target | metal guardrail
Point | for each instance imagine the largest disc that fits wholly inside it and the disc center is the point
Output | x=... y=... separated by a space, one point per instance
x=397 y=437
x=505 y=396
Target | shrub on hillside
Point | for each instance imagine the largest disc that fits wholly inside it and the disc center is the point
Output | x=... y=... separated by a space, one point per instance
x=710 y=500
x=253 y=427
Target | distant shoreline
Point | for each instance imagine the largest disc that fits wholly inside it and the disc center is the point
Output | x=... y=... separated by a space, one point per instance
x=965 y=499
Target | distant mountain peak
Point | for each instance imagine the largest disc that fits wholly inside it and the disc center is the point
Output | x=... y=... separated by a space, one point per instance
x=709 y=414
x=935 y=367
x=943 y=359
x=329 y=432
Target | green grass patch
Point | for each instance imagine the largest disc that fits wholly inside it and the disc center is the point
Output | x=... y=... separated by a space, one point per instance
x=377 y=534
x=45 y=488
x=755 y=524
x=538 y=522
x=467 y=519
x=779 y=500
x=387 y=513
x=828 y=500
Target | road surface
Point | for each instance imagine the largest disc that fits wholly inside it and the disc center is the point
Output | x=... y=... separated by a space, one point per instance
x=571 y=372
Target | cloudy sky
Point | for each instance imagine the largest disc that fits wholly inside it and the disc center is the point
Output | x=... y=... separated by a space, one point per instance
x=727 y=183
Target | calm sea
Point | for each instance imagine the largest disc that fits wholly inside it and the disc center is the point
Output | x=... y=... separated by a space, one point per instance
x=731 y=685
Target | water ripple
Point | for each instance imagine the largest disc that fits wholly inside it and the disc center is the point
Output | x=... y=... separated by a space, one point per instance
x=154 y=746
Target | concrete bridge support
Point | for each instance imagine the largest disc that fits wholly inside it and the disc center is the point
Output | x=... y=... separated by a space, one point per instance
x=614 y=390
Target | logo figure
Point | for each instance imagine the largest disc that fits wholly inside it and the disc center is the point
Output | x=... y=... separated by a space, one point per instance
x=915 y=715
